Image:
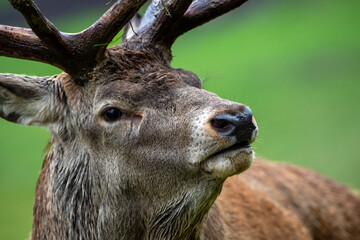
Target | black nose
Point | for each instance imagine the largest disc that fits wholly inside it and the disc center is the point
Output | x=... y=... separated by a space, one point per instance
x=240 y=125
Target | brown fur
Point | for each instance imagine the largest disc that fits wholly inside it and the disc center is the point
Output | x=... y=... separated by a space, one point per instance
x=281 y=201
x=42 y=195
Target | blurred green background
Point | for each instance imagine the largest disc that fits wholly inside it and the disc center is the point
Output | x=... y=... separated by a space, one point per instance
x=296 y=63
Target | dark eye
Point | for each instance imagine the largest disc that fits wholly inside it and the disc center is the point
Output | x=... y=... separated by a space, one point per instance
x=111 y=115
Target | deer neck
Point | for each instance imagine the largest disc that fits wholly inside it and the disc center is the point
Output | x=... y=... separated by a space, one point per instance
x=75 y=201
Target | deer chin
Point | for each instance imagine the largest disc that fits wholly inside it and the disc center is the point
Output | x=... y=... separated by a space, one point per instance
x=229 y=161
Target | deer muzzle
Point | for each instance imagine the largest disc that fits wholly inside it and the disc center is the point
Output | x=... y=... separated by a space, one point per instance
x=222 y=137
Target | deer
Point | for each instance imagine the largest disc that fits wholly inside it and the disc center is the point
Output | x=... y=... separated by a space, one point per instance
x=140 y=151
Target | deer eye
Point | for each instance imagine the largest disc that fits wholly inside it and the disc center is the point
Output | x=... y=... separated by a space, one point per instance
x=111 y=115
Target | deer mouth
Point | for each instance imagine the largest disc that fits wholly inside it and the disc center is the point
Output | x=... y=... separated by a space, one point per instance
x=229 y=161
x=235 y=147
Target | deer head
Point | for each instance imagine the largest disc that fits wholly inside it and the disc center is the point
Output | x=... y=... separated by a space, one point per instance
x=139 y=150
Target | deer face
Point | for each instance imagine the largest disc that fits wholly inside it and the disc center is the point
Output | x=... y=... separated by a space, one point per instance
x=149 y=120
x=156 y=121
x=152 y=134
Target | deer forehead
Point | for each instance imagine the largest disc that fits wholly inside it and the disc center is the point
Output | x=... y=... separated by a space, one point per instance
x=155 y=93
x=167 y=94
x=136 y=77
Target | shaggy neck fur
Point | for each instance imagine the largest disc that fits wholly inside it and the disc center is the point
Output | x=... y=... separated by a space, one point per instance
x=75 y=201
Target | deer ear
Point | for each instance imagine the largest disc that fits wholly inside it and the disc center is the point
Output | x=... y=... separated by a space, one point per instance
x=30 y=100
x=132 y=27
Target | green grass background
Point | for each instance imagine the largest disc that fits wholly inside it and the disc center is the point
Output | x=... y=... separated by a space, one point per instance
x=296 y=63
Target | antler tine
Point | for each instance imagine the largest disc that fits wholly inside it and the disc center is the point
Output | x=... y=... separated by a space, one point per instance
x=99 y=35
x=200 y=12
x=42 y=27
x=43 y=43
x=159 y=17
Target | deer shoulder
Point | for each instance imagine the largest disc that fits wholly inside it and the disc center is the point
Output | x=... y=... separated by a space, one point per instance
x=282 y=201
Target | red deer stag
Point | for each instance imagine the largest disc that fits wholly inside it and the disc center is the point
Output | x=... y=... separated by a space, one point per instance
x=140 y=151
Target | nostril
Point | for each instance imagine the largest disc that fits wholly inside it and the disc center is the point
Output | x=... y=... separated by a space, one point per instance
x=240 y=125
x=222 y=125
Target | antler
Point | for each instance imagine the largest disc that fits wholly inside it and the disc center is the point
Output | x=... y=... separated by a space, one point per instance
x=105 y=29
x=22 y=43
x=200 y=12
x=159 y=18
x=74 y=53
x=163 y=22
